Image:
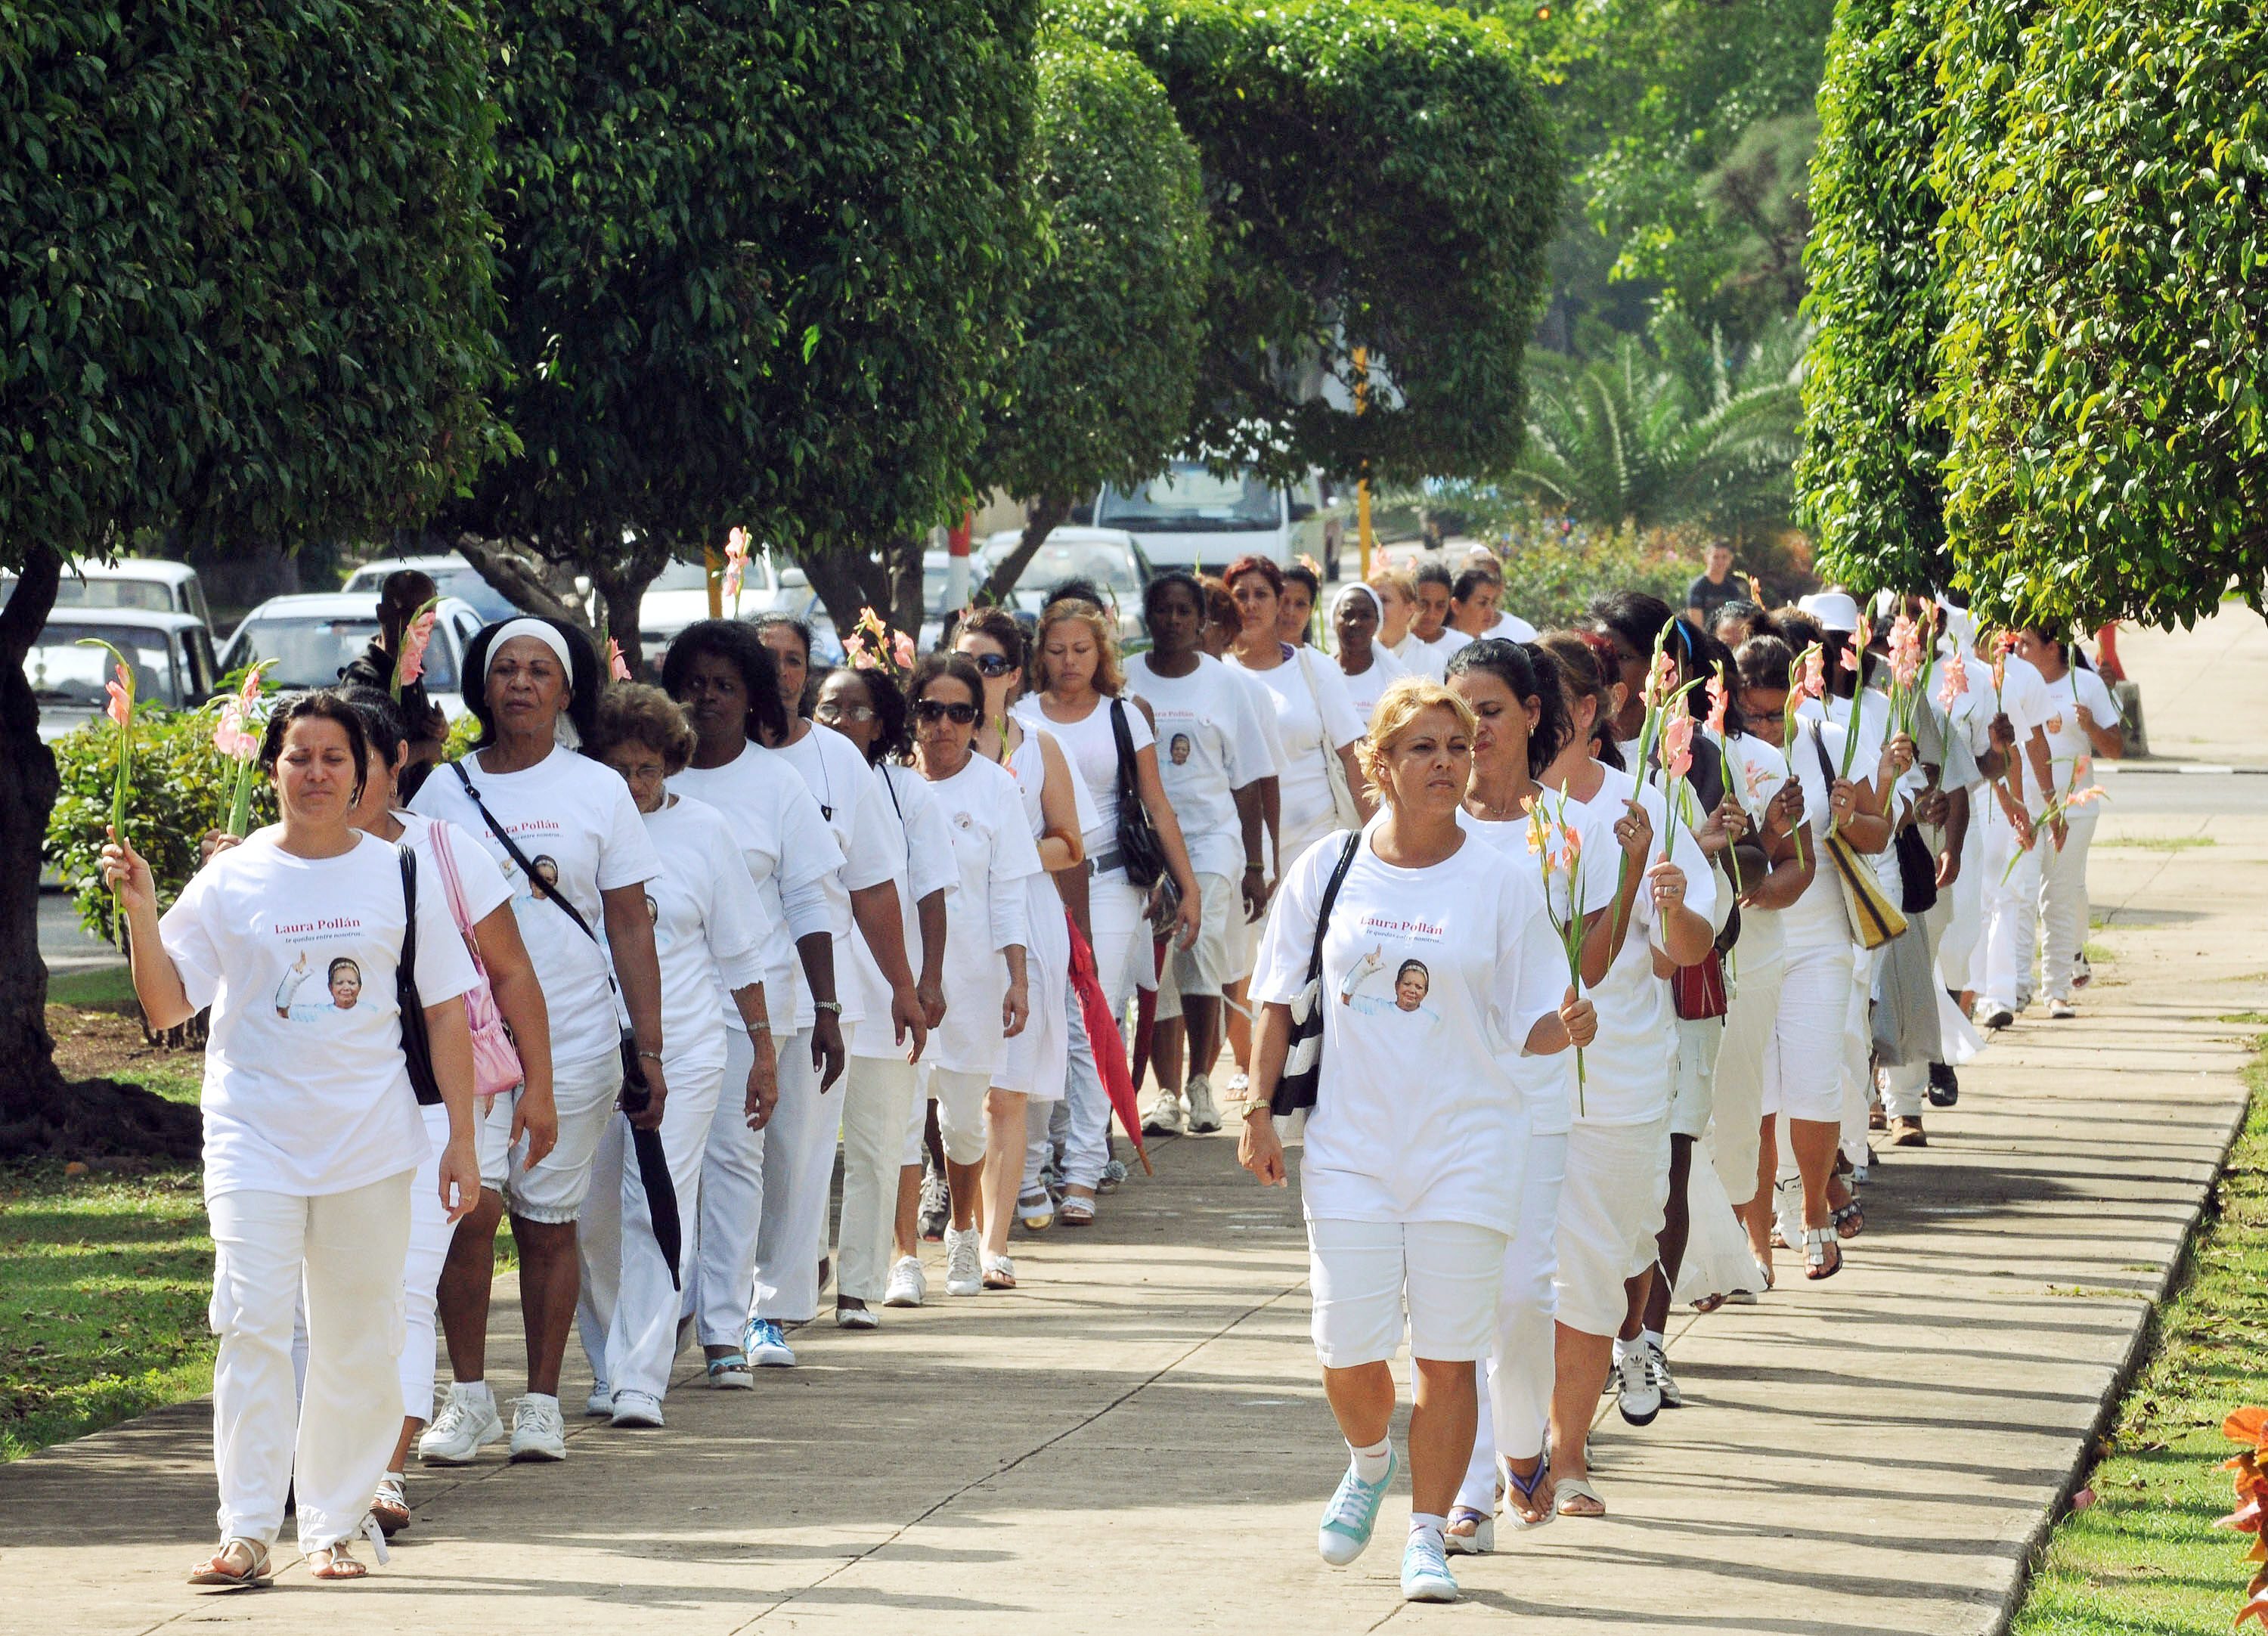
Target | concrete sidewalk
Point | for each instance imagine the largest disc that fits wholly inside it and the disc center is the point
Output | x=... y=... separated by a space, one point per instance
x=1136 y=1439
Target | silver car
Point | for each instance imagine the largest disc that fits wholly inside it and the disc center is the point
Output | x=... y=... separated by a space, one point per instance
x=171 y=653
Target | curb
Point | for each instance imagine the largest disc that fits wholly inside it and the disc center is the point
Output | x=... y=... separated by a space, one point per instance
x=2201 y=769
x=2121 y=1381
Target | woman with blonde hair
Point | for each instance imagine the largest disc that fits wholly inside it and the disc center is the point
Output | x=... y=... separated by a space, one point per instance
x=1111 y=746
x=1430 y=949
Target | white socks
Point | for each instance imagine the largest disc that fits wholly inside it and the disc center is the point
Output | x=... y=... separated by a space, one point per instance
x=1652 y=1337
x=473 y=1391
x=1371 y=1464
x=1427 y=1522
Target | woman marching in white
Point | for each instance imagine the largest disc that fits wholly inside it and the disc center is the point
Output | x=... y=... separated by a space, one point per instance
x=2083 y=723
x=709 y=929
x=528 y=796
x=312 y=1131
x=987 y=996
x=1410 y=1185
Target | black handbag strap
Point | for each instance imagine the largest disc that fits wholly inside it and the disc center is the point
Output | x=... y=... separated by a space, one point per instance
x=1129 y=784
x=409 y=962
x=534 y=881
x=416 y=1048
x=1331 y=896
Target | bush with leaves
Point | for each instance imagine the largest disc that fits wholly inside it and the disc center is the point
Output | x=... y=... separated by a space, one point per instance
x=182 y=789
x=2105 y=380
x=1553 y=570
x=1382 y=176
x=1100 y=386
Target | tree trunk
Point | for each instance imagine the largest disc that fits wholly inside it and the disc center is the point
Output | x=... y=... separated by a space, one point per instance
x=902 y=561
x=621 y=584
x=521 y=577
x=38 y=1114
x=849 y=583
x=1048 y=514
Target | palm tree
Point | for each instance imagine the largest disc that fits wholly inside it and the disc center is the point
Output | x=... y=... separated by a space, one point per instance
x=1624 y=438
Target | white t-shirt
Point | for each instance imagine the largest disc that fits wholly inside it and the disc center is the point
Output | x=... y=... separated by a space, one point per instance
x=1755 y=772
x=1091 y=746
x=1818 y=919
x=925 y=864
x=858 y=809
x=710 y=932
x=1874 y=732
x=575 y=821
x=1210 y=743
x=1448 y=968
x=1422 y=658
x=1547 y=1082
x=1313 y=718
x=1510 y=626
x=484 y=889
x=2067 y=741
x=2023 y=697
x=989 y=911
x=307 y=1091
x=1364 y=690
x=790 y=855
x=1628 y=1068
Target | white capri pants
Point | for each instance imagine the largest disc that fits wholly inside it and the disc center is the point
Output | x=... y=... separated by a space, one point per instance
x=1803 y=1056
x=346 y=1251
x=799 y=1172
x=2012 y=909
x=1516 y=1399
x=431 y=1234
x=1694 y=1078
x=2062 y=903
x=1736 y=1120
x=629 y=1309
x=585 y=1093
x=723 y=1294
x=881 y=1097
x=960 y=1098
x=1372 y=1280
x=1610 y=1204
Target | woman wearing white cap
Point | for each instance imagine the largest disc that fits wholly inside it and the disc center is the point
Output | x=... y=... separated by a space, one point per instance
x=569 y=839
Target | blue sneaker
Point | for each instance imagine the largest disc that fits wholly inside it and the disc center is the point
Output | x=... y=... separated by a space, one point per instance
x=1425 y=1575
x=766 y=1347
x=1353 y=1514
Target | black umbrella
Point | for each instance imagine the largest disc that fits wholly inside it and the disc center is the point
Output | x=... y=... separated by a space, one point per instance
x=653 y=1168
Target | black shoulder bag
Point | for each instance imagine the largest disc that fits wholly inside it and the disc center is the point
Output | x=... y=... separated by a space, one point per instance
x=1303 y=1058
x=416 y=1048
x=1137 y=838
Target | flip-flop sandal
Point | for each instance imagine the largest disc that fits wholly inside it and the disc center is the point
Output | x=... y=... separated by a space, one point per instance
x=1817 y=1242
x=216 y=1571
x=336 y=1564
x=1075 y=1211
x=1526 y=1486
x=1479 y=1543
x=1577 y=1488
x=391 y=1504
x=1708 y=1303
x=1851 y=1220
x=731 y=1372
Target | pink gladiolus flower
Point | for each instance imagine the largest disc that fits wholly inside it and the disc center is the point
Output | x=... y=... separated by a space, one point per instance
x=2085 y=798
x=1720 y=699
x=1815 y=672
x=230 y=737
x=736 y=562
x=854 y=649
x=1905 y=651
x=121 y=696
x=1956 y=681
x=2082 y=768
x=411 y=664
x=1661 y=681
x=1677 y=745
x=903 y=649
x=617 y=666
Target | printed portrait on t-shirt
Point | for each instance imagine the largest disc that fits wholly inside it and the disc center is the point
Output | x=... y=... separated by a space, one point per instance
x=1380 y=985
x=547 y=870
x=342 y=989
x=1179 y=749
x=345 y=983
x=1412 y=984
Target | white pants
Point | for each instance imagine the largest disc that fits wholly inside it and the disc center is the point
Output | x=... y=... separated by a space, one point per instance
x=345 y=1251
x=1857 y=1080
x=1372 y=1280
x=1078 y=1127
x=629 y=1311
x=723 y=1292
x=1736 y=1119
x=1803 y=1057
x=2012 y=909
x=1516 y=1388
x=799 y=1171
x=879 y=1101
x=2062 y=903
x=1964 y=904
x=1122 y=950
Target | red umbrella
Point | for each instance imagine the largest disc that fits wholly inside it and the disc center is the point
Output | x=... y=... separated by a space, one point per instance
x=1146 y=1014
x=1108 y=1045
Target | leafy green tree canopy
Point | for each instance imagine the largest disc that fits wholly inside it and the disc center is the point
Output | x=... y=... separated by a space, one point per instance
x=758 y=259
x=1382 y=176
x=1100 y=388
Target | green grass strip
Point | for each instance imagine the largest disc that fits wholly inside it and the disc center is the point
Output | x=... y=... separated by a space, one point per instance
x=2144 y=1559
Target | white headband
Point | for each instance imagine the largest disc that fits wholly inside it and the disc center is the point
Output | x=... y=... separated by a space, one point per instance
x=1349 y=589
x=526 y=627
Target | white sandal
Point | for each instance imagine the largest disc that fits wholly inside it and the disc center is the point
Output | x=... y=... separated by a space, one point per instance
x=219 y=1572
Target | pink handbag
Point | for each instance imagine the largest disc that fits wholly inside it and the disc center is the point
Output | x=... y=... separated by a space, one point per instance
x=496 y=1060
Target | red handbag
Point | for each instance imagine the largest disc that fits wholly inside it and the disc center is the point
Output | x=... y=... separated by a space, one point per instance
x=1698 y=990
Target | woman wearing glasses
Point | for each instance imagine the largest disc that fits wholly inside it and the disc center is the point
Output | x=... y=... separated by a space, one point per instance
x=987 y=993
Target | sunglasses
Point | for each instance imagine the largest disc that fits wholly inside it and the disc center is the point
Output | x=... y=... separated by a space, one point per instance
x=843 y=712
x=992 y=665
x=938 y=709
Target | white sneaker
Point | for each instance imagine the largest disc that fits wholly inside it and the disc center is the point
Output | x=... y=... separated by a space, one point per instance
x=2062 y=1010
x=637 y=1409
x=1204 y=1117
x=600 y=1405
x=1992 y=1013
x=1657 y=1365
x=1165 y=1116
x=908 y=1284
x=2081 y=972
x=465 y=1425
x=1635 y=1392
x=964 y=1263
x=537 y=1431
x=766 y=1346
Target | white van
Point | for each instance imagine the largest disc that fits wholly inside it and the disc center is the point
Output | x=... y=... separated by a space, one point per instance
x=1186 y=518
x=143 y=582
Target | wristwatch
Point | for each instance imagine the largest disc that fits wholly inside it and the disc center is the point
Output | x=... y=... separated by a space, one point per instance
x=835 y=1006
x=650 y=1055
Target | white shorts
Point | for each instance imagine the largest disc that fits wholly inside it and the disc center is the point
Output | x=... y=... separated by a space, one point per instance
x=1202 y=967
x=1609 y=1211
x=1693 y=1085
x=554 y=1190
x=1372 y=1280
x=492 y=1138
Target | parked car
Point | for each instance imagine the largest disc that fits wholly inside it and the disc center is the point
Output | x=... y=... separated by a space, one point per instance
x=171 y=653
x=314 y=636
x=679 y=596
x=1186 y=518
x=1111 y=558
x=143 y=582
x=451 y=576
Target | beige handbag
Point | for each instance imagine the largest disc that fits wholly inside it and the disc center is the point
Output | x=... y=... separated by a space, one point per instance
x=1874 y=919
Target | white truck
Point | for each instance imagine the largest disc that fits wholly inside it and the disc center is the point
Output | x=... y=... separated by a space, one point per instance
x=1186 y=518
